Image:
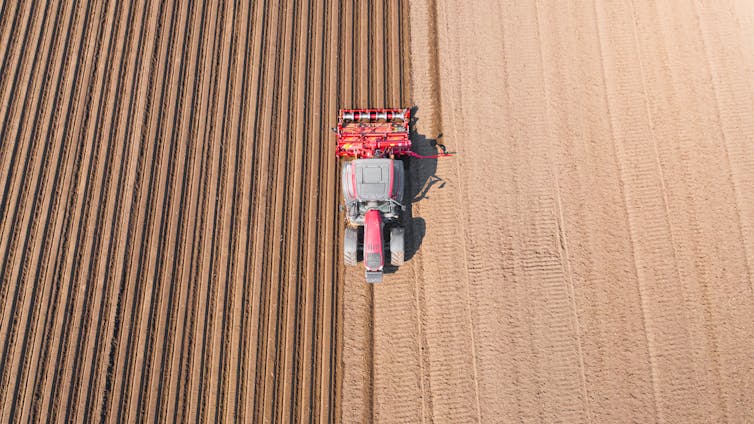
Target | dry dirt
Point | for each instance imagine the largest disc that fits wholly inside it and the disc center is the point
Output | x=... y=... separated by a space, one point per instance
x=170 y=239
x=588 y=254
x=168 y=220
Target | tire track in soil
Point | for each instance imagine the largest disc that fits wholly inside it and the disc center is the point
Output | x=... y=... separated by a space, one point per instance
x=446 y=353
x=358 y=305
x=594 y=205
x=726 y=75
x=645 y=196
x=544 y=260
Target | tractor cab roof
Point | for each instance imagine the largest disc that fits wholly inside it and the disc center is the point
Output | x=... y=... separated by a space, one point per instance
x=372 y=180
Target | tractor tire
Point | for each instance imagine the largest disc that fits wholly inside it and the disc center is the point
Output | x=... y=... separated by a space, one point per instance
x=397 y=246
x=351 y=246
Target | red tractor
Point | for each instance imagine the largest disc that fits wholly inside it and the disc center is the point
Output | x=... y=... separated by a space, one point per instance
x=373 y=182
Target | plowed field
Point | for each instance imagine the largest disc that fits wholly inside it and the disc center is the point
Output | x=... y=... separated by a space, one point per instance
x=170 y=236
x=169 y=217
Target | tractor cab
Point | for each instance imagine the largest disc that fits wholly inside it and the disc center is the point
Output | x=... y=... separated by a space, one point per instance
x=372 y=184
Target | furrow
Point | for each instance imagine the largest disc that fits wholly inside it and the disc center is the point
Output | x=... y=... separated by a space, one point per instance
x=75 y=114
x=169 y=208
x=237 y=287
x=210 y=371
x=270 y=274
x=153 y=348
x=303 y=388
x=206 y=128
x=260 y=224
x=25 y=80
x=297 y=259
x=99 y=393
x=329 y=357
x=256 y=35
x=74 y=303
x=13 y=168
x=95 y=346
x=331 y=411
x=27 y=12
x=207 y=293
x=130 y=295
x=79 y=252
x=140 y=349
x=286 y=369
x=226 y=261
x=169 y=380
x=20 y=217
x=316 y=255
x=7 y=10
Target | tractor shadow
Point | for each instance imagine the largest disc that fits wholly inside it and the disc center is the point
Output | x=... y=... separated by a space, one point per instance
x=421 y=182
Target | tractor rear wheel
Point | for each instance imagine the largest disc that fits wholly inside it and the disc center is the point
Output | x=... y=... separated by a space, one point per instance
x=397 y=246
x=351 y=246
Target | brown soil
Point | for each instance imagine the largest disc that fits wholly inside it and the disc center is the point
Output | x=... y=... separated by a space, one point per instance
x=168 y=220
x=170 y=241
x=588 y=254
